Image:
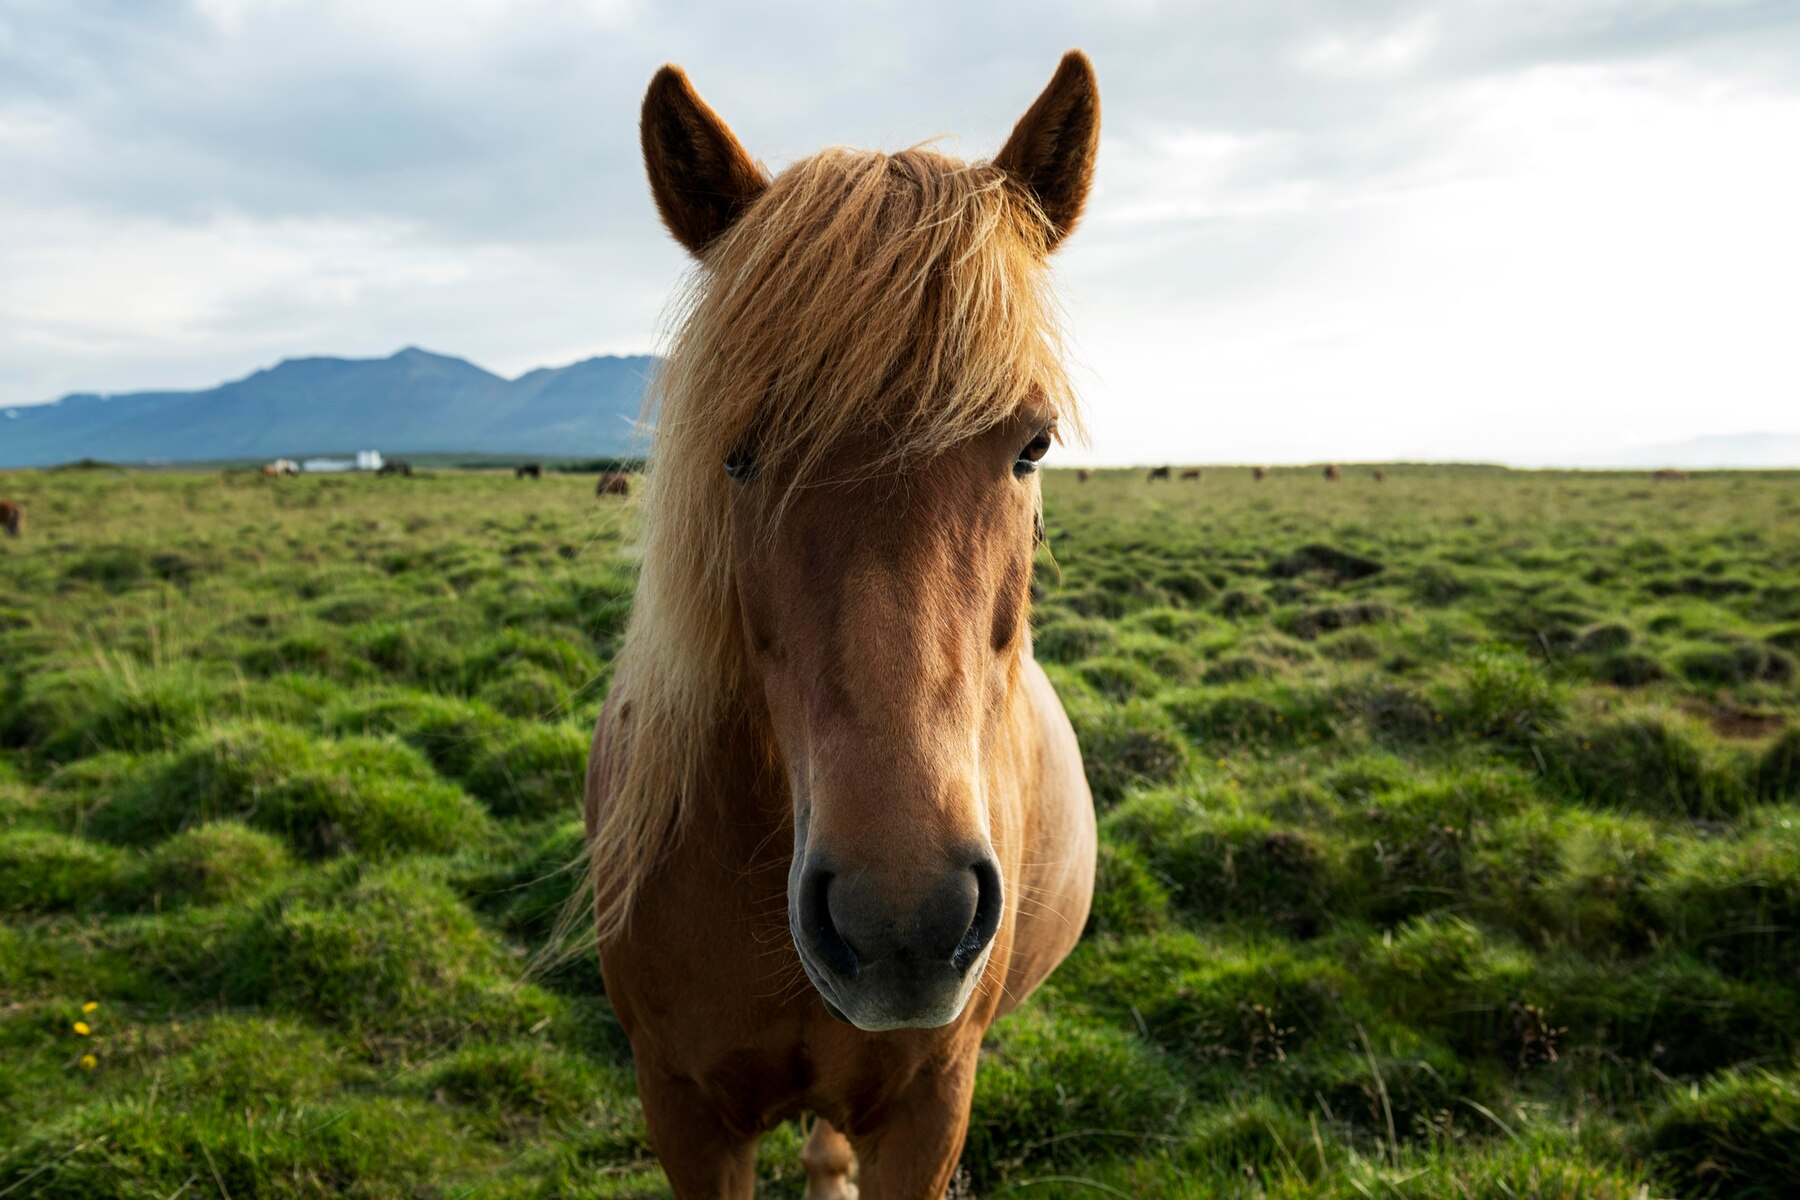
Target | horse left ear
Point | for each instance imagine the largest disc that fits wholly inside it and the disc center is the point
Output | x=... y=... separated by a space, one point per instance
x=1051 y=150
x=700 y=174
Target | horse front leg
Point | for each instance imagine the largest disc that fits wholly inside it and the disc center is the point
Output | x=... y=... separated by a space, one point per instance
x=913 y=1155
x=830 y=1163
x=703 y=1156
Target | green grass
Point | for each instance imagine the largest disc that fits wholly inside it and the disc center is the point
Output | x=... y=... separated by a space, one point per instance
x=1450 y=841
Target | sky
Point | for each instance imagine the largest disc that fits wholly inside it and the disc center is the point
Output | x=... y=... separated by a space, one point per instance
x=1525 y=231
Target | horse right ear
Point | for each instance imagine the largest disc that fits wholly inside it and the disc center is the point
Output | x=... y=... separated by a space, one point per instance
x=702 y=177
x=1051 y=151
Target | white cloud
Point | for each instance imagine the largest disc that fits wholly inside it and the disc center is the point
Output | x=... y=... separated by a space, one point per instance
x=1371 y=56
x=1325 y=230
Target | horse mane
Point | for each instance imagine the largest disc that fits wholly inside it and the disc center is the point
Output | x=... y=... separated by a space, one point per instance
x=905 y=295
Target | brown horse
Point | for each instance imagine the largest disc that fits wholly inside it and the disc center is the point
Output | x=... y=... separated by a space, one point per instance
x=1668 y=475
x=395 y=466
x=1083 y=475
x=1156 y=473
x=612 y=483
x=12 y=518
x=837 y=822
x=1331 y=473
x=1257 y=473
x=1378 y=475
x=1190 y=472
x=529 y=471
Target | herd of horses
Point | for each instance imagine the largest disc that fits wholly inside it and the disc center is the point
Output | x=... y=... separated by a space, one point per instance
x=618 y=483
x=611 y=483
x=1331 y=472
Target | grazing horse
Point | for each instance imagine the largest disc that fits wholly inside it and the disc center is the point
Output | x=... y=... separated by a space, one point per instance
x=1190 y=472
x=1668 y=475
x=394 y=466
x=612 y=483
x=1378 y=475
x=837 y=822
x=1156 y=473
x=1257 y=473
x=12 y=518
x=529 y=471
x=1331 y=473
x=1083 y=475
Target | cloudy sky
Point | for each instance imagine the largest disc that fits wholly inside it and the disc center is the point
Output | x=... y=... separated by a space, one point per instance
x=1518 y=230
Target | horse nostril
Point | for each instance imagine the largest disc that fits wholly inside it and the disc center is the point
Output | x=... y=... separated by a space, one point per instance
x=821 y=930
x=989 y=903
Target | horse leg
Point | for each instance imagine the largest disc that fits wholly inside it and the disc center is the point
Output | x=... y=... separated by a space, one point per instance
x=829 y=1164
x=914 y=1154
x=704 y=1158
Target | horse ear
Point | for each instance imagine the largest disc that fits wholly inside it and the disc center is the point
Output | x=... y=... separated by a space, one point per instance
x=1051 y=150
x=702 y=177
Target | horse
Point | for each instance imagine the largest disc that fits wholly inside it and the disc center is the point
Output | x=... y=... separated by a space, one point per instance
x=1331 y=473
x=1083 y=475
x=1257 y=473
x=1156 y=473
x=1378 y=475
x=1668 y=475
x=836 y=817
x=1190 y=472
x=612 y=483
x=12 y=518
x=395 y=466
x=529 y=471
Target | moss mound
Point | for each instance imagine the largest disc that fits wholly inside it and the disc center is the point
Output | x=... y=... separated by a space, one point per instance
x=392 y=954
x=43 y=872
x=1738 y=1137
x=208 y=864
x=536 y=771
x=371 y=795
x=1051 y=1091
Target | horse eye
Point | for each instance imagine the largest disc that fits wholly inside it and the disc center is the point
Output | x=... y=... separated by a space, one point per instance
x=1034 y=450
x=741 y=466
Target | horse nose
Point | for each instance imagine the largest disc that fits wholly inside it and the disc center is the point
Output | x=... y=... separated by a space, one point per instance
x=850 y=925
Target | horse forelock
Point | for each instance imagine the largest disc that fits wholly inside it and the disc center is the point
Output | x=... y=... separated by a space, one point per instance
x=901 y=294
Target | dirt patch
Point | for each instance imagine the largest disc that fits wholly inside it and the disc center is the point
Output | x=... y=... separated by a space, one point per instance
x=1341 y=564
x=1732 y=723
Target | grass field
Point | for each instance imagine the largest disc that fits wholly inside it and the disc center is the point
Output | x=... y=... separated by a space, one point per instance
x=1451 y=841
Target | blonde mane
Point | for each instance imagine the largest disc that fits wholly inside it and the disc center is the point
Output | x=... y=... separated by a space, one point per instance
x=903 y=294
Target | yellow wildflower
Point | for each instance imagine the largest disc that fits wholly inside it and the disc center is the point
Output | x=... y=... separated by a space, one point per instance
x=90 y=1006
x=81 y=1027
x=89 y=1062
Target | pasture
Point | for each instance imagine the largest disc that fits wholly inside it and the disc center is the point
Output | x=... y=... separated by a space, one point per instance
x=1450 y=840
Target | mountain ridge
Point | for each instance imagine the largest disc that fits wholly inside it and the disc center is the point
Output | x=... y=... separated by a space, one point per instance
x=413 y=401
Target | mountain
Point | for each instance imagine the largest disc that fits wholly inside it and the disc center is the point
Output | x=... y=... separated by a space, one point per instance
x=413 y=402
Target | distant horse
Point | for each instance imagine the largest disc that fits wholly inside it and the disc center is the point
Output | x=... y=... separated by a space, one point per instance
x=529 y=471
x=806 y=900
x=12 y=518
x=1378 y=475
x=1190 y=472
x=1083 y=475
x=613 y=483
x=280 y=467
x=1257 y=473
x=394 y=466
x=1156 y=473
x=1668 y=475
x=1331 y=473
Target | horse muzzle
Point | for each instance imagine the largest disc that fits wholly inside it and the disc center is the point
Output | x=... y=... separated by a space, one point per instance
x=884 y=963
